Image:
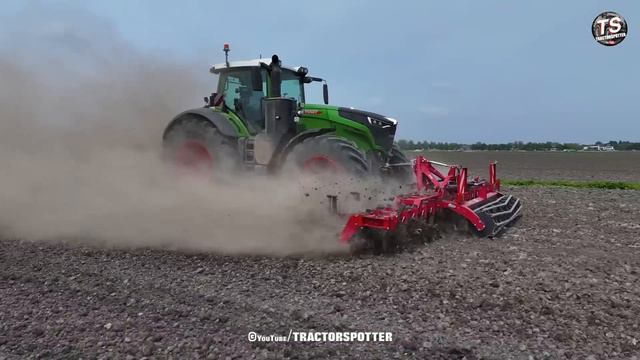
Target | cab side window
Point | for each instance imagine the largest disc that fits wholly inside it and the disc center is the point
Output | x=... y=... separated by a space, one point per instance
x=240 y=97
x=291 y=86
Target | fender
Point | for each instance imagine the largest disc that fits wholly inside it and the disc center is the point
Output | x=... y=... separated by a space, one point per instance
x=281 y=154
x=224 y=125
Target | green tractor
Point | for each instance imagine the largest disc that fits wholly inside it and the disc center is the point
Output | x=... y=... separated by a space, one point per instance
x=259 y=119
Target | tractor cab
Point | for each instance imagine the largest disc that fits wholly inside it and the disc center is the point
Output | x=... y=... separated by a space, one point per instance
x=244 y=86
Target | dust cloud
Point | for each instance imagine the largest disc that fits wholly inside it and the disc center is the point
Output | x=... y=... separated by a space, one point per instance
x=81 y=119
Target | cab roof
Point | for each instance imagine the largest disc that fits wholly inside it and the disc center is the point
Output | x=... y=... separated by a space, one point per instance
x=247 y=63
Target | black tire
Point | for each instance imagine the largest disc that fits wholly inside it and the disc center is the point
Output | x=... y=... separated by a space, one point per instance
x=339 y=154
x=489 y=226
x=403 y=174
x=196 y=131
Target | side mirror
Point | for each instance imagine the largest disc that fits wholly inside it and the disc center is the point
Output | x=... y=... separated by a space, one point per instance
x=325 y=93
x=256 y=78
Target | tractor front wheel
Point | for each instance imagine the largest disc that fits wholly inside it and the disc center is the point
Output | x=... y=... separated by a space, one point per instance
x=402 y=171
x=329 y=155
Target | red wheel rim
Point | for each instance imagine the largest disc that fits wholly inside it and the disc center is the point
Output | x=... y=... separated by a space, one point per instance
x=194 y=157
x=319 y=164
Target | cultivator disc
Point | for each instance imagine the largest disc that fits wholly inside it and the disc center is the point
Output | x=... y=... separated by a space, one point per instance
x=405 y=236
x=479 y=202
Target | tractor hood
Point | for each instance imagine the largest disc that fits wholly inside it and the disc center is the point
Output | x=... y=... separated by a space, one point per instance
x=382 y=128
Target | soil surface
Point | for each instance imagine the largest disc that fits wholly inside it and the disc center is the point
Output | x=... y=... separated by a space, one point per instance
x=582 y=166
x=563 y=283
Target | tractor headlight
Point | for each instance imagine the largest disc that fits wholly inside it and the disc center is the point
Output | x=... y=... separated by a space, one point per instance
x=379 y=122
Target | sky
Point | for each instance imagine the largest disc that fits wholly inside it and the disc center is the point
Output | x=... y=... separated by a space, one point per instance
x=456 y=71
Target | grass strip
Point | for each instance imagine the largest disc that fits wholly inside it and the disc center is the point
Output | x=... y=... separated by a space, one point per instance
x=618 y=185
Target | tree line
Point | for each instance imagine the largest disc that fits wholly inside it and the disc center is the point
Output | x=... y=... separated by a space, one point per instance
x=513 y=146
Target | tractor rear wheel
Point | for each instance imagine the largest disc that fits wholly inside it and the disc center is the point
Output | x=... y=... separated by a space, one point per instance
x=329 y=155
x=196 y=147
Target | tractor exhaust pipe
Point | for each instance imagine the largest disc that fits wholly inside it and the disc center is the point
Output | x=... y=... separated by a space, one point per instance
x=276 y=76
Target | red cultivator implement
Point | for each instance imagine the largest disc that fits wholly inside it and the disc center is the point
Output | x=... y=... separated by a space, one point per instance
x=478 y=201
